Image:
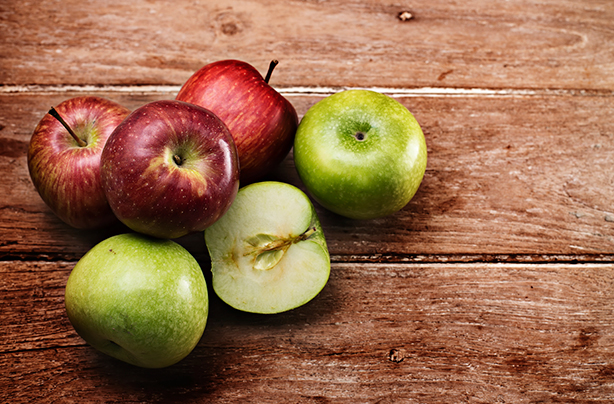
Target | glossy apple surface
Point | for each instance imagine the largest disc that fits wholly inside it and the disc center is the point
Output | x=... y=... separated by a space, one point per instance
x=261 y=120
x=268 y=253
x=360 y=154
x=169 y=169
x=138 y=299
x=66 y=173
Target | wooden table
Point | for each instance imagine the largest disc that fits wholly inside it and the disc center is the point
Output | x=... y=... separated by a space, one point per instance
x=494 y=285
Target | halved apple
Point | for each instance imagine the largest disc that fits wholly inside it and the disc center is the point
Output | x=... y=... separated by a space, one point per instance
x=268 y=252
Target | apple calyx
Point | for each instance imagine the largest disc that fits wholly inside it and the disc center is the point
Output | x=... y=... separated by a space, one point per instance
x=56 y=115
x=270 y=71
x=178 y=159
x=181 y=154
x=269 y=249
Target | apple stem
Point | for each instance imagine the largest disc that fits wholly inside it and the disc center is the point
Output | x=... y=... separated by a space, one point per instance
x=306 y=234
x=57 y=116
x=270 y=71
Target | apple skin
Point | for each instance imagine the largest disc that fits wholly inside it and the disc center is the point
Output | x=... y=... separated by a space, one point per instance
x=261 y=120
x=148 y=190
x=66 y=175
x=138 y=299
x=360 y=154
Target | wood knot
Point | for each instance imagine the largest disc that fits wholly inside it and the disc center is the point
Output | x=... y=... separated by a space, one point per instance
x=12 y=148
x=230 y=28
x=405 y=16
x=587 y=338
x=229 y=24
x=396 y=356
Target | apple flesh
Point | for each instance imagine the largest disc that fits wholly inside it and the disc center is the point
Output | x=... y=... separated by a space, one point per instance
x=268 y=253
x=65 y=167
x=261 y=120
x=138 y=299
x=170 y=169
x=360 y=154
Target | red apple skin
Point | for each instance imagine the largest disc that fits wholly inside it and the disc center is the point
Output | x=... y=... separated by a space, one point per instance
x=66 y=175
x=262 y=122
x=148 y=190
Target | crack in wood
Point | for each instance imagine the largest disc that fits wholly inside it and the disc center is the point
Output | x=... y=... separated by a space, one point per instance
x=39 y=89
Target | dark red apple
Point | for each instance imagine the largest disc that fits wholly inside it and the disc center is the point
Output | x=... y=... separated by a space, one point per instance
x=171 y=168
x=64 y=159
x=262 y=122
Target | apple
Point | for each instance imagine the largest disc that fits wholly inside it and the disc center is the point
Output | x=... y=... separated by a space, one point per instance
x=139 y=299
x=64 y=159
x=261 y=120
x=169 y=169
x=360 y=154
x=268 y=252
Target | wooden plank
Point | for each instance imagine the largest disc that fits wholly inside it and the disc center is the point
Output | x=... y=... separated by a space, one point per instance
x=493 y=285
x=477 y=43
x=385 y=333
x=509 y=178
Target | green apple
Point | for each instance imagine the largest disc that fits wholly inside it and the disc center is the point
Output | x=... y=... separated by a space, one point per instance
x=268 y=252
x=139 y=299
x=360 y=154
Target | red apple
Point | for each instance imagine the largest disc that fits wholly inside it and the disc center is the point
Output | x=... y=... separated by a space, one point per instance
x=261 y=120
x=64 y=159
x=171 y=168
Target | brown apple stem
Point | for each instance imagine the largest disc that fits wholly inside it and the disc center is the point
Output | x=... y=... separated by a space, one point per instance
x=57 y=116
x=271 y=68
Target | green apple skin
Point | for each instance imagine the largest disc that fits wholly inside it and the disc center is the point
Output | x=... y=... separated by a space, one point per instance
x=360 y=154
x=138 y=299
x=295 y=276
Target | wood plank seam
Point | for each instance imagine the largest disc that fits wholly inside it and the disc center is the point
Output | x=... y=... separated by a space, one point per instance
x=315 y=91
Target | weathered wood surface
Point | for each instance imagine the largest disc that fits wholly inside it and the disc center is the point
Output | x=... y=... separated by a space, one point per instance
x=508 y=178
x=495 y=284
x=476 y=43
x=386 y=333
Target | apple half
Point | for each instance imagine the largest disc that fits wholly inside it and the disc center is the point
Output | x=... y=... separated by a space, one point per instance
x=268 y=252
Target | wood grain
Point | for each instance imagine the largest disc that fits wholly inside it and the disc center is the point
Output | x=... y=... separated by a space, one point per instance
x=476 y=43
x=508 y=178
x=494 y=285
x=377 y=333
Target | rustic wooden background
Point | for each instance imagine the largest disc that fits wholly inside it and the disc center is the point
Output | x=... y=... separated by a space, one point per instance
x=494 y=285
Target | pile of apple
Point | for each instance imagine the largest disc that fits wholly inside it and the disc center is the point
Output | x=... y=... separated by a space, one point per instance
x=173 y=167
